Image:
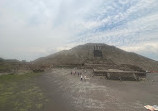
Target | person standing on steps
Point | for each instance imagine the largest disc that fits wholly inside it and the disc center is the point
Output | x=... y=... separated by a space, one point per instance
x=78 y=73
x=81 y=77
x=84 y=78
x=71 y=72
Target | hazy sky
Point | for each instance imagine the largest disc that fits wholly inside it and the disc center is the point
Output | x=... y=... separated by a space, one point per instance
x=33 y=28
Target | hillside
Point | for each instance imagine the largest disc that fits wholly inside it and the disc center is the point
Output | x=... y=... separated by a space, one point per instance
x=85 y=54
x=11 y=65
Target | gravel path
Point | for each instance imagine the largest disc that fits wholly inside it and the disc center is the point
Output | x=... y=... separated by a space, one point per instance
x=67 y=93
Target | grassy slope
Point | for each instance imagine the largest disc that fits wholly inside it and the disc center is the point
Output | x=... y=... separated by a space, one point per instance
x=20 y=93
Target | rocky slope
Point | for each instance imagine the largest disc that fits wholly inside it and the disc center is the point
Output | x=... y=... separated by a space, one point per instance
x=84 y=54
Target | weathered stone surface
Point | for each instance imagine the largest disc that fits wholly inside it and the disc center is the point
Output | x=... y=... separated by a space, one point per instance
x=110 y=57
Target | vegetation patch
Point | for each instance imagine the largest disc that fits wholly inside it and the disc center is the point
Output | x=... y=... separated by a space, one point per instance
x=21 y=93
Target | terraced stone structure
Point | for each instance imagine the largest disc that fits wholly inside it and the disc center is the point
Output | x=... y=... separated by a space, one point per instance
x=101 y=57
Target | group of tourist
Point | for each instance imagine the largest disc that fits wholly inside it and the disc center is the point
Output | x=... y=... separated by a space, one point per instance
x=79 y=73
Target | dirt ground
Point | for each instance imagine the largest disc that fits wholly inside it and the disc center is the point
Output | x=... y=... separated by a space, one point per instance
x=67 y=92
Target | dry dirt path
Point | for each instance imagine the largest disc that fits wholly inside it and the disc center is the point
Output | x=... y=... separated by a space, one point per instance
x=67 y=93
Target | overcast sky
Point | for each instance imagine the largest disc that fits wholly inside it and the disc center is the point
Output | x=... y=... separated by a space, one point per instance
x=34 y=28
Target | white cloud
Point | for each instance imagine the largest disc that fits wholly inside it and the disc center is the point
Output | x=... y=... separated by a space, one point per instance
x=152 y=46
x=38 y=27
x=148 y=49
